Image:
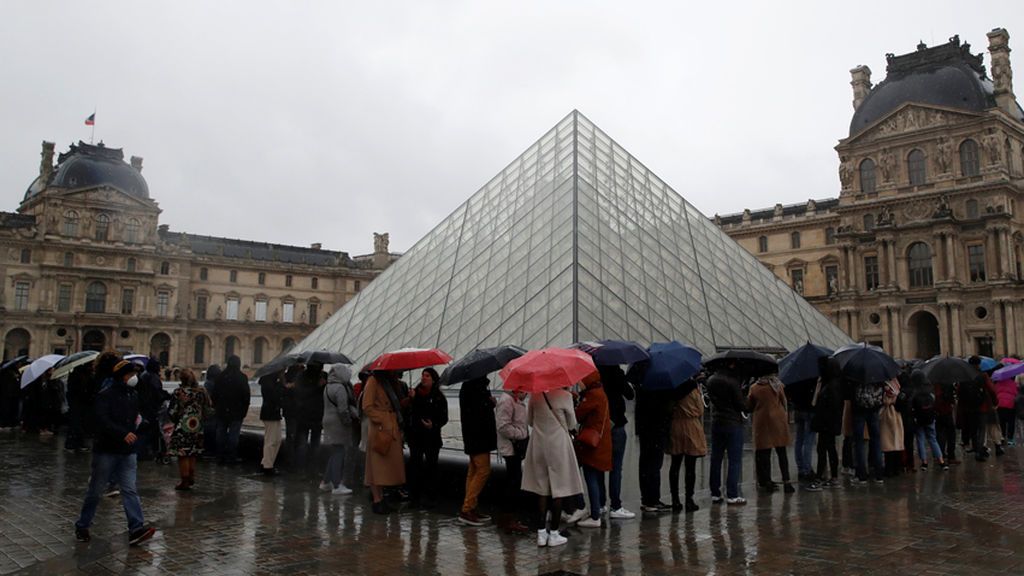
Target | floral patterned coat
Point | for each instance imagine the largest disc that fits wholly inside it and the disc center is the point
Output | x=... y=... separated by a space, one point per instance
x=190 y=406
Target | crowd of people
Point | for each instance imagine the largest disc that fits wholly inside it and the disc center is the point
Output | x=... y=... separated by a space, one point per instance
x=563 y=449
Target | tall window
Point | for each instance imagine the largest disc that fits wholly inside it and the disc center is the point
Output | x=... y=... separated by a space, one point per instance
x=288 y=280
x=258 y=346
x=262 y=278
x=131 y=231
x=102 y=227
x=131 y=265
x=71 y=223
x=313 y=309
x=231 y=347
x=919 y=263
x=69 y=259
x=201 y=307
x=127 y=301
x=26 y=256
x=916 y=167
x=64 y=298
x=96 y=297
x=976 y=262
x=163 y=302
x=314 y=283
x=970 y=163
x=869 y=222
x=204 y=274
x=21 y=295
x=867 y=176
x=972 y=209
x=261 y=310
x=165 y=268
x=288 y=312
x=794 y=240
x=199 y=356
x=358 y=285
x=233 y=276
x=830 y=235
x=232 y=309
x=797 y=276
x=871 y=272
x=762 y=244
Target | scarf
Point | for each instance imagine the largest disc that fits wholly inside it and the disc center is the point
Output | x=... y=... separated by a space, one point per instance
x=393 y=398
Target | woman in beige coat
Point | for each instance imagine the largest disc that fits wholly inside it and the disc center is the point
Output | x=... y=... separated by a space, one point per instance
x=890 y=429
x=767 y=403
x=385 y=465
x=686 y=442
x=550 y=469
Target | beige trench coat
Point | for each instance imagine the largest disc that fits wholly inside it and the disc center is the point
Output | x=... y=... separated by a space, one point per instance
x=550 y=467
x=382 y=469
x=767 y=403
x=687 y=433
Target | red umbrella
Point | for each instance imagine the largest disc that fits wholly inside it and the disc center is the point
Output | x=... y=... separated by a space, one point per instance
x=410 y=359
x=547 y=369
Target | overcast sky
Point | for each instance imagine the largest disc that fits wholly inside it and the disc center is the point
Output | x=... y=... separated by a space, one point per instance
x=300 y=122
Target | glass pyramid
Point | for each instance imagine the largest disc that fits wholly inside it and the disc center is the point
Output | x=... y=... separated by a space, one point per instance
x=574 y=240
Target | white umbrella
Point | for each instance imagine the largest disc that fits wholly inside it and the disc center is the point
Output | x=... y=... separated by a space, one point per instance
x=69 y=363
x=36 y=368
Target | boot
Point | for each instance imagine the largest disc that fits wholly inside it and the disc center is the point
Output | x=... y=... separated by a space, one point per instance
x=691 y=506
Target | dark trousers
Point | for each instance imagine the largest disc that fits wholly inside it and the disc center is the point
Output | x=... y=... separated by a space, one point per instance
x=651 y=459
x=861 y=421
x=827 y=455
x=726 y=438
x=513 y=500
x=227 y=439
x=909 y=437
x=763 y=465
x=76 y=428
x=945 y=430
x=848 y=452
x=307 y=445
x=690 y=479
x=422 y=470
x=1007 y=422
x=615 y=476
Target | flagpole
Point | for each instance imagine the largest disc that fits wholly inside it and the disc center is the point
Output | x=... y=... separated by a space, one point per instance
x=92 y=135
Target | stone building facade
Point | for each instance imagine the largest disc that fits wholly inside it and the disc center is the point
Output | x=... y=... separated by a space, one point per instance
x=921 y=252
x=87 y=266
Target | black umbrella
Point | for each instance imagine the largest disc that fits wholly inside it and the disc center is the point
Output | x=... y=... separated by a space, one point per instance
x=947 y=370
x=749 y=362
x=282 y=362
x=480 y=363
x=614 y=352
x=323 y=357
x=14 y=362
x=864 y=363
x=802 y=364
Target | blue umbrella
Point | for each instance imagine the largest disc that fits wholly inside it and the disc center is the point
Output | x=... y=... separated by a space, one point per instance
x=614 y=352
x=670 y=365
x=802 y=364
x=988 y=364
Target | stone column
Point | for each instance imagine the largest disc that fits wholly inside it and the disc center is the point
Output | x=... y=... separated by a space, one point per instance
x=1004 y=252
x=844 y=269
x=939 y=257
x=897 y=327
x=887 y=331
x=999 y=346
x=1010 y=328
x=893 y=272
x=943 y=329
x=993 y=259
x=958 y=337
x=883 y=263
x=951 y=257
x=855 y=325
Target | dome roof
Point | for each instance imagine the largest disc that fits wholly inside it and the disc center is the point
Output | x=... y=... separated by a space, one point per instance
x=947 y=75
x=87 y=166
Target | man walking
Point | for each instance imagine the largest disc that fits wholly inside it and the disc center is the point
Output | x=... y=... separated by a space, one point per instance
x=117 y=420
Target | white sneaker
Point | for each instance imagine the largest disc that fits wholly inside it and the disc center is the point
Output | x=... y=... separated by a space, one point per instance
x=556 y=539
x=736 y=501
x=341 y=490
x=575 y=516
x=589 y=523
x=716 y=500
x=622 y=514
x=542 y=537
x=325 y=487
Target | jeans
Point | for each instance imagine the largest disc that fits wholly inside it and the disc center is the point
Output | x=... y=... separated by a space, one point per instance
x=827 y=455
x=726 y=438
x=336 y=465
x=306 y=444
x=595 y=489
x=112 y=467
x=615 y=476
x=1008 y=422
x=860 y=420
x=927 y=434
x=422 y=470
x=476 y=478
x=805 y=441
x=945 y=430
x=651 y=458
x=227 y=438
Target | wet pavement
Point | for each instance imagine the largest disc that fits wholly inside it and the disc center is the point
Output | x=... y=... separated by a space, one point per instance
x=969 y=520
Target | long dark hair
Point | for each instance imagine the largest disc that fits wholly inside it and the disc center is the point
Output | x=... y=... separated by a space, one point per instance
x=435 y=387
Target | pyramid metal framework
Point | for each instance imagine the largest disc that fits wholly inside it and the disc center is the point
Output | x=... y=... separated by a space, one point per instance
x=574 y=240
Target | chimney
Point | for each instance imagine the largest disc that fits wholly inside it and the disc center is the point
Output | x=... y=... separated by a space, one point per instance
x=316 y=245
x=137 y=163
x=1002 y=74
x=46 y=164
x=861 y=82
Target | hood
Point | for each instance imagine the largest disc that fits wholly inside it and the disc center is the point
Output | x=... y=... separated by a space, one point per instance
x=153 y=365
x=235 y=362
x=918 y=379
x=212 y=372
x=477 y=383
x=340 y=373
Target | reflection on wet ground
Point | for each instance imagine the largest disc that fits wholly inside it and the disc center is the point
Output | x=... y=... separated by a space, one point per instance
x=966 y=521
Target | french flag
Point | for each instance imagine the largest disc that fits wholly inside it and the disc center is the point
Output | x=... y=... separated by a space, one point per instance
x=91 y=120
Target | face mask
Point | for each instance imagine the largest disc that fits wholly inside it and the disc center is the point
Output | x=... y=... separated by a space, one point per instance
x=133 y=381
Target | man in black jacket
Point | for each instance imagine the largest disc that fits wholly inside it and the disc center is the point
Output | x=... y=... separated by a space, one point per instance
x=479 y=439
x=117 y=420
x=618 y=390
x=272 y=391
x=151 y=397
x=231 y=400
x=727 y=403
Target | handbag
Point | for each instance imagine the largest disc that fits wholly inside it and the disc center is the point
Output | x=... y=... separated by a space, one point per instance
x=591 y=437
x=381 y=441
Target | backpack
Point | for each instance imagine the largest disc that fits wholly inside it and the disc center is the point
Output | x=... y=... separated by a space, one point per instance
x=973 y=393
x=868 y=396
x=924 y=408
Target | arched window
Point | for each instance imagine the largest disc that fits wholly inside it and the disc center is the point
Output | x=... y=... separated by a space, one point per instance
x=970 y=164
x=916 y=167
x=102 y=227
x=830 y=235
x=231 y=347
x=867 y=176
x=762 y=244
x=794 y=240
x=201 y=345
x=96 y=297
x=131 y=231
x=259 y=346
x=919 y=264
x=972 y=209
x=869 y=222
x=287 y=344
x=71 y=223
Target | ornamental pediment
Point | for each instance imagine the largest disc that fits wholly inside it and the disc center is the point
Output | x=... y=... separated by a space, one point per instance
x=910 y=118
x=108 y=197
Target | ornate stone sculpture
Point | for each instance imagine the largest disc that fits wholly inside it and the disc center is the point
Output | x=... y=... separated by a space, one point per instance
x=846 y=171
x=993 y=148
x=888 y=165
x=219 y=313
x=943 y=155
x=380 y=243
x=942 y=210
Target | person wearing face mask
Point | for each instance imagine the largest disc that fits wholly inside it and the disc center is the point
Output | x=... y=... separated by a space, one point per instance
x=117 y=422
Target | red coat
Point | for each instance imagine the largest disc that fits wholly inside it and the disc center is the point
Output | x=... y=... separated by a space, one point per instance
x=593 y=413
